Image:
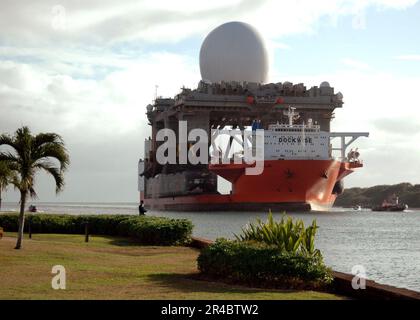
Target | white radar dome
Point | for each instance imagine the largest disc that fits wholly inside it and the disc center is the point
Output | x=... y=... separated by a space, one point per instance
x=234 y=51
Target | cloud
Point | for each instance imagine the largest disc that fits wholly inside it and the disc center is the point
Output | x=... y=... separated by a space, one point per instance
x=409 y=57
x=355 y=63
x=89 y=71
x=118 y=99
x=274 y=44
x=387 y=164
x=399 y=125
x=108 y=22
x=102 y=121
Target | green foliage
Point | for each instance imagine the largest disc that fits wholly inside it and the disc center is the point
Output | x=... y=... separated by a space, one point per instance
x=287 y=235
x=29 y=153
x=6 y=175
x=255 y=262
x=26 y=155
x=156 y=230
x=272 y=251
x=145 y=229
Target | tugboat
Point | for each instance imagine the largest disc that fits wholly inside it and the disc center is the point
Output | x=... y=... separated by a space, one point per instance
x=391 y=204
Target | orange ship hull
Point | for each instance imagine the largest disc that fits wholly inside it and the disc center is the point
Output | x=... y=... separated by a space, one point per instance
x=293 y=185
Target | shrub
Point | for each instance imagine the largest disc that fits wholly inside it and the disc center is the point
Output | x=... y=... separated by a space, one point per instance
x=274 y=252
x=286 y=234
x=145 y=229
x=257 y=262
x=149 y=230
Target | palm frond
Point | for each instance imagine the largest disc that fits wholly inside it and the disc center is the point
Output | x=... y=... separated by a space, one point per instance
x=57 y=174
x=23 y=142
x=52 y=150
x=7 y=140
x=31 y=153
x=6 y=175
x=32 y=193
x=16 y=182
x=43 y=138
x=9 y=157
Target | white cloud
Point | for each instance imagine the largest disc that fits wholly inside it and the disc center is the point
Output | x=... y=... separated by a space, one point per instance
x=118 y=100
x=409 y=57
x=355 y=63
x=105 y=22
x=87 y=84
x=102 y=121
x=400 y=125
x=395 y=4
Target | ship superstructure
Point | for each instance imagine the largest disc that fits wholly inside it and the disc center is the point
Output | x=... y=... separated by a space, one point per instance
x=301 y=171
x=304 y=163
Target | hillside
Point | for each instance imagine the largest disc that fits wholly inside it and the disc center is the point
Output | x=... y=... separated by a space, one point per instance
x=366 y=197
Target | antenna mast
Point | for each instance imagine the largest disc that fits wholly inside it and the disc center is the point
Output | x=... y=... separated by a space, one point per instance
x=156 y=91
x=291 y=114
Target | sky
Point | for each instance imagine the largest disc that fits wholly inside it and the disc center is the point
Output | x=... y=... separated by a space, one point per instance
x=87 y=69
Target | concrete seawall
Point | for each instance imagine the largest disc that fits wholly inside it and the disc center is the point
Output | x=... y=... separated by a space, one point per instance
x=342 y=283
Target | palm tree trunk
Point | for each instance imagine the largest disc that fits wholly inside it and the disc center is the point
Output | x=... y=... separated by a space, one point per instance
x=0 y=198
x=21 y=219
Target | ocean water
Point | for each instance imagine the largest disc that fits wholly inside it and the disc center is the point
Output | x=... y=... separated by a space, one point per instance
x=386 y=244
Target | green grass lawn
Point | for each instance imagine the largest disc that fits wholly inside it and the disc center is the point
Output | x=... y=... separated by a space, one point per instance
x=114 y=268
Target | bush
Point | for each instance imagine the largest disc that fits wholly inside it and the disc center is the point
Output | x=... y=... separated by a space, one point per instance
x=145 y=229
x=256 y=262
x=149 y=230
x=273 y=252
x=286 y=234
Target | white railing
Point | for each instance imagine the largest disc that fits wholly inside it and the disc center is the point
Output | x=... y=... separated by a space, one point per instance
x=345 y=144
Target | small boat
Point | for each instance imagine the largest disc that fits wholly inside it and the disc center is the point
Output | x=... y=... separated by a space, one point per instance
x=32 y=208
x=391 y=204
x=357 y=208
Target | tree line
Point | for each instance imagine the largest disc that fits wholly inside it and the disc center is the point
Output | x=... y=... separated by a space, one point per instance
x=371 y=196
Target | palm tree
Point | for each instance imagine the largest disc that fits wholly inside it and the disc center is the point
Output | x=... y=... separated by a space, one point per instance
x=28 y=154
x=6 y=177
